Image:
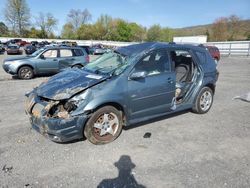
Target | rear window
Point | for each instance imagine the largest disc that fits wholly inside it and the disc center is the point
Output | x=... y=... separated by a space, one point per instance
x=201 y=56
x=78 y=52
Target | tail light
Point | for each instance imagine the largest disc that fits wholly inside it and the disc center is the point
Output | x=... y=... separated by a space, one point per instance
x=87 y=58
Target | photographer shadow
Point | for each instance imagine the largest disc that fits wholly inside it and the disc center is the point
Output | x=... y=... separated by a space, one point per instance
x=125 y=177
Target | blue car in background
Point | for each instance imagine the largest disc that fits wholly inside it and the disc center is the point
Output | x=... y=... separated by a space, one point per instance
x=49 y=60
x=123 y=87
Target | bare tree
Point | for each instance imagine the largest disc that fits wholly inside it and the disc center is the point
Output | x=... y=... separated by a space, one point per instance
x=234 y=25
x=78 y=17
x=47 y=23
x=219 y=29
x=17 y=14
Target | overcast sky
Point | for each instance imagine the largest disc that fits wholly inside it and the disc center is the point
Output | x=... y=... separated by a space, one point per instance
x=171 y=13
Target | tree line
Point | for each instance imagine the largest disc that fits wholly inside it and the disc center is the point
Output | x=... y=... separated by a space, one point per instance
x=78 y=26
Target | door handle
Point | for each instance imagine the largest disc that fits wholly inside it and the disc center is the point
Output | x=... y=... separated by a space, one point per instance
x=170 y=80
x=54 y=59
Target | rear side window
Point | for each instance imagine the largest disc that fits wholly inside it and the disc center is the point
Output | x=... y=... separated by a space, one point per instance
x=201 y=56
x=78 y=52
x=66 y=53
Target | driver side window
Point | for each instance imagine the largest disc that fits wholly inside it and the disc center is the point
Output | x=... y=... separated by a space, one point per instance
x=50 y=54
x=154 y=63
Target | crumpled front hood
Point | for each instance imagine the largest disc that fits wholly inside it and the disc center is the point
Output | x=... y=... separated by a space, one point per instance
x=67 y=83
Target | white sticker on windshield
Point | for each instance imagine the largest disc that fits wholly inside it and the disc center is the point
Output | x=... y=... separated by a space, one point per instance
x=94 y=76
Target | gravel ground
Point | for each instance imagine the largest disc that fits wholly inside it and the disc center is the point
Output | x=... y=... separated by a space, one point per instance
x=187 y=150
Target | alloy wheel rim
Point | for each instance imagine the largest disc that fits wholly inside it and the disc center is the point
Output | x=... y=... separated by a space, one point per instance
x=25 y=73
x=205 y=101
x=106 y=126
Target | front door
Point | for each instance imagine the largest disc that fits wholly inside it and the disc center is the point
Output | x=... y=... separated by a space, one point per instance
x=153 y=93
x=48 y=62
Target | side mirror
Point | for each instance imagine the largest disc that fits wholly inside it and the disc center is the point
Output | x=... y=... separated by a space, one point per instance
x=42 y=56
x=137 y=75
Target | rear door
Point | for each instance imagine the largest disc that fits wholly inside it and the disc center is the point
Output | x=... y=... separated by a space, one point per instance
x=71 y=57
x=48 y=62
x=154 y=93
x=66 y=58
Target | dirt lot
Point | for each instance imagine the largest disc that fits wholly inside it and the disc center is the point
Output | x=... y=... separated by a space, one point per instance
x=189 y=150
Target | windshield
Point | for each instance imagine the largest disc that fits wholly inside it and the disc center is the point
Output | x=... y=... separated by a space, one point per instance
x=108 y=63
x=37 y=52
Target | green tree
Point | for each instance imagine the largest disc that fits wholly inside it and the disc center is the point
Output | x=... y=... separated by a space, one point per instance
x=138 y=33
x=154 y=33
x=166 y=35
x=68 y=31
x=4 y=31
x=34 y=33
x=86 y=32
x=17 y=15
x=123 y=31
x=104 y=28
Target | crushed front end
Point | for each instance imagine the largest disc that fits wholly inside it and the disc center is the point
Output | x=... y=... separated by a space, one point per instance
x=53 y=118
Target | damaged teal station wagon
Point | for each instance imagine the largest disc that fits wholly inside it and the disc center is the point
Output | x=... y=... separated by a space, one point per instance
x=129 y=85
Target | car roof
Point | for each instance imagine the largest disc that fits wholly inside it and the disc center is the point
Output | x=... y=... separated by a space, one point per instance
x=147 y=46
x=63 y=47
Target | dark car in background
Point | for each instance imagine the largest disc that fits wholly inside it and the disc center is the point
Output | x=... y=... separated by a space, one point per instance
x=34 y=43
x=50 y=60
x=2 y=49
x=123 y=87
x=214 y=52
x=14 y=49
x=86 y=48
x=30 y=49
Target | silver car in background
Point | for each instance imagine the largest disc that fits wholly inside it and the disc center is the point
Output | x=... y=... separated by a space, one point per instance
x=49 y=60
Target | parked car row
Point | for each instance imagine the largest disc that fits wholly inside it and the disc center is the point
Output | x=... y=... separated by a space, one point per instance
x=122 y=87
x=32 y=46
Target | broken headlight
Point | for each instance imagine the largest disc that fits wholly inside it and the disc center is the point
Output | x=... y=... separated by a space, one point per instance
x=64 y=108
x=73 y=103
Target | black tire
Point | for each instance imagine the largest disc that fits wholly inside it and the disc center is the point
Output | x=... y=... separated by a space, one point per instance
x=77 y=66
x=199 y=106
x=25 y=73
x=93 y=134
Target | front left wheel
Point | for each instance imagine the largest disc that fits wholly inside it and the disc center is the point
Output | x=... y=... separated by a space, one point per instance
x=104 y=126
x=25 y=73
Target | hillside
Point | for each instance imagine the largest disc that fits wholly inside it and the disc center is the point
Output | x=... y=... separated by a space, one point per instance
x=243 y=34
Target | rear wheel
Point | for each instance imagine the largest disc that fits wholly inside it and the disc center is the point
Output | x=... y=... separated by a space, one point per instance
x=25 y=73
x=203 y=101
x=104 y=126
